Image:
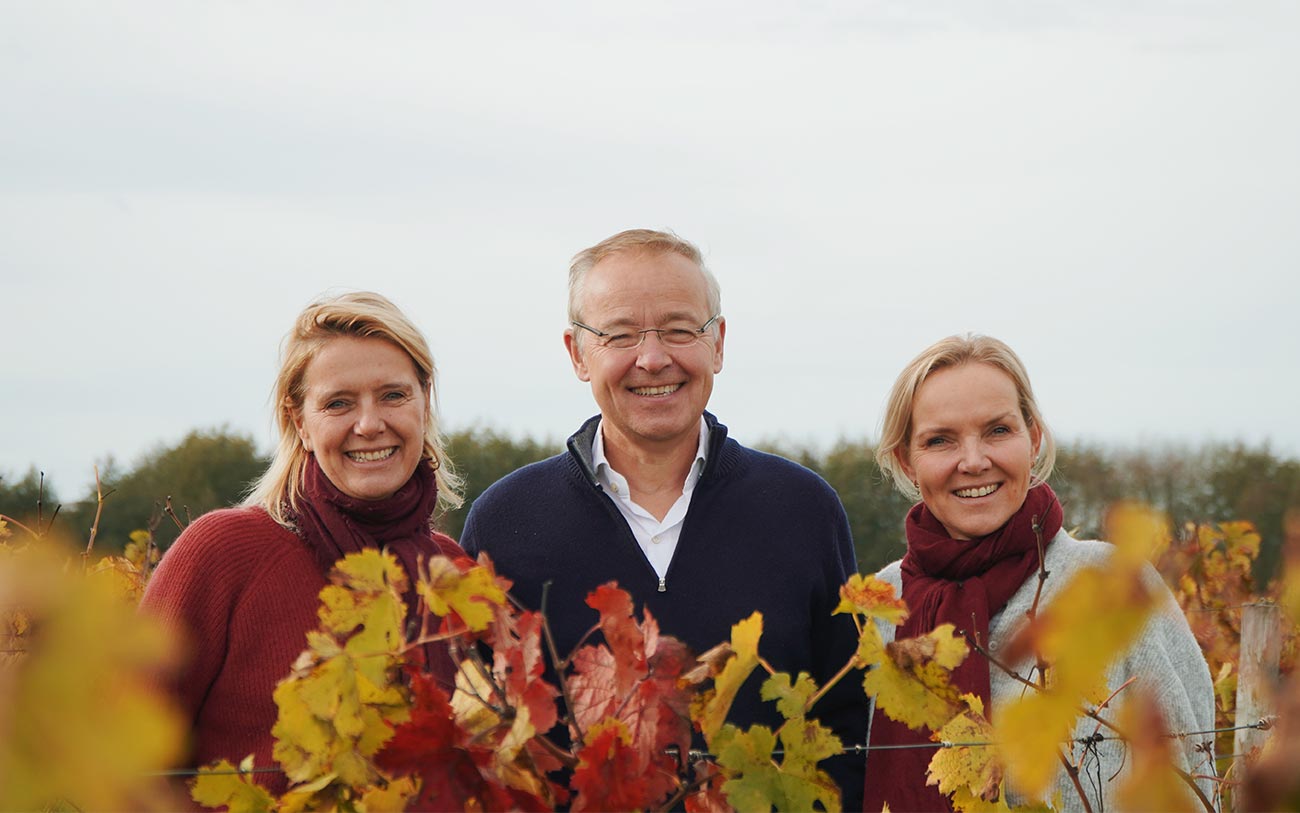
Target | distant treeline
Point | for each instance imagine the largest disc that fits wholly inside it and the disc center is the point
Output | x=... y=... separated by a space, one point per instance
x=210 y=469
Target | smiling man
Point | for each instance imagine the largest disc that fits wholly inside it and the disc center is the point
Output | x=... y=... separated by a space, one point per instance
x=653 y=494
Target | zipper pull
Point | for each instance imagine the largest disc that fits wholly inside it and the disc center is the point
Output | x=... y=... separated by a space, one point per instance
x=662 y=587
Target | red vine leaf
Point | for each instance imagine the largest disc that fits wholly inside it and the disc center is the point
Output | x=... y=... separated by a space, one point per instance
x=432 y=747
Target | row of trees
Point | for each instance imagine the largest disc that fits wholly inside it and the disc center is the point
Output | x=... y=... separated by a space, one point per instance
x=212 y=468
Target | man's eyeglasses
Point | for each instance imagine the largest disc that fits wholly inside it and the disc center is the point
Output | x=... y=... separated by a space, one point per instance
x=670 y=336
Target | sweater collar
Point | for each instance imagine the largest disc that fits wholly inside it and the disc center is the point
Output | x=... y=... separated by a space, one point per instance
x=580 y=444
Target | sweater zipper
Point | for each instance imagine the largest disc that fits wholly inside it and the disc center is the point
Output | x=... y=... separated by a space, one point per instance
x=631 y=537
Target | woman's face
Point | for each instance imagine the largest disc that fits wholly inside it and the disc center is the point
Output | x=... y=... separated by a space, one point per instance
x=970 y=451
x=363 y=415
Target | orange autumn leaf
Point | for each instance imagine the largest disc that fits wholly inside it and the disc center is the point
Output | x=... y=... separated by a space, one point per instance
x=519 y=666
x=613 y=775
x=633 y=677
x=873 y=598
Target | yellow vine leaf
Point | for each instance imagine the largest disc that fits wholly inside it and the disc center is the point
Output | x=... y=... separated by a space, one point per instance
x=797 y=783
x=470 y=701
x=340 y=703
x=871 y=647
x=1091 y=622
x=80 y=721
x=392 y=798
x=1030 y=733
x=911 y=682
x=709 y=709
x=972 y=767
x=220 y=785
x=139 y=541
x=470 y=594
x=366 y=597
x=123 y=578
x=1151 y=783
x=965 y=802
x=802 y=782
x=1138 y=532
x=304 y=741
x=310 y=796
x=1290 y=597
x=324 y=726
x=791 y=699
x=1241 y=541
x=874 y=598
x=369 y=571
x=756 y=782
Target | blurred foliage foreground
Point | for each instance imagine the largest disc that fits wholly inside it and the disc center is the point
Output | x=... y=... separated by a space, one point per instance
x=361 y=728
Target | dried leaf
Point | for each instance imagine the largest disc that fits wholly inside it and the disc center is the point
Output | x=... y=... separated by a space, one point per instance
x=912 y=683
x=709 y=710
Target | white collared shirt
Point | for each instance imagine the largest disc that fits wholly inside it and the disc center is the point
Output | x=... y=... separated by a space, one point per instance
x=657 y=539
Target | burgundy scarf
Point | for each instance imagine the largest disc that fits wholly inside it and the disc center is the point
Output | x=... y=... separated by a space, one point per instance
x=963 y=583
x=334 y=524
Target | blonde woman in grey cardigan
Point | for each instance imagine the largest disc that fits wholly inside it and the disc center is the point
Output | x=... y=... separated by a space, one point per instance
x=963 y=433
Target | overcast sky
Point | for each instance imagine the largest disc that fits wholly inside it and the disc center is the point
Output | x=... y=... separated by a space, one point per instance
x=1111 y=187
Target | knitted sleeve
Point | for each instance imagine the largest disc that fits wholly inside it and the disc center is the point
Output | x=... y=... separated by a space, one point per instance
x=196 y=588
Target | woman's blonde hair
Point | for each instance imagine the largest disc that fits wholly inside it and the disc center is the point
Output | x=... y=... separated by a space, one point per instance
x=896 y=429
x=362 y=314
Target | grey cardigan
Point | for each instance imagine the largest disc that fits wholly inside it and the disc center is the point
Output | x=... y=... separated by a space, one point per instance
x=1166 y=658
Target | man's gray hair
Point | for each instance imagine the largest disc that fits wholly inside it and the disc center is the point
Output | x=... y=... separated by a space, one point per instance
x=643 y=241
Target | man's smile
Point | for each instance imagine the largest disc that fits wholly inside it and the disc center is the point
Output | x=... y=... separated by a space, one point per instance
x=662 y=389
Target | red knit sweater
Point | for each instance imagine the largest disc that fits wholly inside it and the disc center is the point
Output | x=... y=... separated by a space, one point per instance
x=244 y=591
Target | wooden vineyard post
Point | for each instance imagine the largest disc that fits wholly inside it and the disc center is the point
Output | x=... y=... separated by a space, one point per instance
x=1257 y=674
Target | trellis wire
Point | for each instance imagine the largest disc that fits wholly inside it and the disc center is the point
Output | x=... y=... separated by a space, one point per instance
x=852 y=749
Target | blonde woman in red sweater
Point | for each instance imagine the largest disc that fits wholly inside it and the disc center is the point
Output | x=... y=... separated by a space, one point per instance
x=360 y=464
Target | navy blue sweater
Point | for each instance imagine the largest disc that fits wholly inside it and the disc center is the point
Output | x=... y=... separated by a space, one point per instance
x=762 y=533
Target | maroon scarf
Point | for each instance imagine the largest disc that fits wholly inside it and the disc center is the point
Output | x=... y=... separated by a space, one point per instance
x=334 y=524
x=963 y=583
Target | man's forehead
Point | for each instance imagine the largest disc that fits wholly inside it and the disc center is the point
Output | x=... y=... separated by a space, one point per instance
x=647 y=315
x=665 y=280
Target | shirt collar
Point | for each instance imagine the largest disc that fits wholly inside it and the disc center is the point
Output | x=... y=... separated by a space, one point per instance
x=604 y=471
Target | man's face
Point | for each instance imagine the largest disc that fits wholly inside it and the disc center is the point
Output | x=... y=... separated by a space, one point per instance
x=651 y=396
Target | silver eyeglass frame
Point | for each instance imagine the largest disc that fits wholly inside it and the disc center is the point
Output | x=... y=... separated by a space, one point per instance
x=600 y=334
